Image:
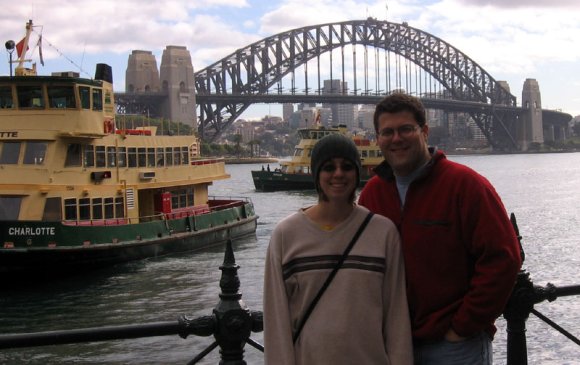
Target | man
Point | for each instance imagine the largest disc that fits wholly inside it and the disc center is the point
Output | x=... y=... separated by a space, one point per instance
x=461 y=252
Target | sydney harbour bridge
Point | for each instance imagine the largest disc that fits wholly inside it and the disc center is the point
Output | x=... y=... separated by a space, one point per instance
x=371 y=58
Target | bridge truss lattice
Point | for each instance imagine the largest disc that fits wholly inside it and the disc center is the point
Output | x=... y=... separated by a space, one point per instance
x=228 y=87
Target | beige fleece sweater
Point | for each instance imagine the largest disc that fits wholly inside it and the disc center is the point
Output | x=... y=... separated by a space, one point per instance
x=362 y=318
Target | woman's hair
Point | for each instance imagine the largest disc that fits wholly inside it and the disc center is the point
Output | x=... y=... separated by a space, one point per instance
x=329 y=147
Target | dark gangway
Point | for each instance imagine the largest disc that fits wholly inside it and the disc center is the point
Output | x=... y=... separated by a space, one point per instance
x=231 y=322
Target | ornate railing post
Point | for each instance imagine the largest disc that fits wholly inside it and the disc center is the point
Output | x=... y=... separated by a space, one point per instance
x=518 y=310
x=521 y=303
x=516 y=313
x=232 y=322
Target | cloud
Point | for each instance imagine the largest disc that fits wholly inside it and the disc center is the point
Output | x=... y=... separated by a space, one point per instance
x=522 y=3
x=300 y=13
x=119 y=25
x=511 y=39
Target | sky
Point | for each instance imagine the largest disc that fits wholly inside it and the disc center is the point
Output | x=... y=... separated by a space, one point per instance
x=511 y=39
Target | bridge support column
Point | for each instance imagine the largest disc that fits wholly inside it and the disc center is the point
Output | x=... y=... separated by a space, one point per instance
x=176 y=75
x=531 y=128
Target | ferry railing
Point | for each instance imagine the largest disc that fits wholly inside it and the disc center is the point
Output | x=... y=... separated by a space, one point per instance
x=231 y=324
x=216 y=203
x=521 y=304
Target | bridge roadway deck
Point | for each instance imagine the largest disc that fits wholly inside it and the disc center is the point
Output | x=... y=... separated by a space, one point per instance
x=447 y=104
x=550 y=116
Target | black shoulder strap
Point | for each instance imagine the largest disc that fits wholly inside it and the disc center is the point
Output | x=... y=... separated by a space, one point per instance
x=331 y=276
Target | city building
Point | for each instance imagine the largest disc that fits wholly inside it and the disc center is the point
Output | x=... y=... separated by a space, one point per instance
x=341 y=113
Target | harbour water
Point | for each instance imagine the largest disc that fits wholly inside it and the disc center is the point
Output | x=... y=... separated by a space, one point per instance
x=543 y=190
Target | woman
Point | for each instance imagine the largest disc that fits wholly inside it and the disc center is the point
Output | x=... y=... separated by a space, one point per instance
x=362 y=316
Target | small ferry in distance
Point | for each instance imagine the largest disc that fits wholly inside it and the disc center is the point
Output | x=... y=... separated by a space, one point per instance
x=79 y=188
x=295 y=174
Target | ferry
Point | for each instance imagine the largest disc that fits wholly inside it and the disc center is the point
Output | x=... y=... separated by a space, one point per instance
x=80 y=188
x=295 y=174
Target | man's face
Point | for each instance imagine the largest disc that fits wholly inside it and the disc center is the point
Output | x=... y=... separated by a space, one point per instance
x=403 y=142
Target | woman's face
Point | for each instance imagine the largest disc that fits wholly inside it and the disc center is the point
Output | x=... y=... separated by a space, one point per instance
x=337 y=179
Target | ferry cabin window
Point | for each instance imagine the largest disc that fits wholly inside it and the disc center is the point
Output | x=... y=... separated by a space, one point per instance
x=182 y=198
x=30 y=97
x=150 y=157
x=122 y=156
x=184 y=156
x=6 y=101
x=177 y=156
x=100 y=158
x=160 y=157
x=52 y=211
x=89 y=159
x=298 y=152
x=70 y=209
x=364 y=154
x=132 y=156
x=168 y=156
x=97 y=99
x=61 y=96
x=10 y=208
x=108 y=100
x=84 y=209
x=97 y=208
x=141 y=157
x=10 y=153
x=85 y=95
x=34 y=153
x=111 y=156
x=109 y=208
x=73 y=155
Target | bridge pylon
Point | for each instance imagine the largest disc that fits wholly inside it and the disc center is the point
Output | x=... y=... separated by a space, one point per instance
x=530 y=129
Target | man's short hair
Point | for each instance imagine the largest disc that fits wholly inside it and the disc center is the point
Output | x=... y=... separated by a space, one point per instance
x=400 y=102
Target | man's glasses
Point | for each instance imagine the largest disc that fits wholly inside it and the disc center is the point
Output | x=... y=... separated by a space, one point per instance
x=403 y=131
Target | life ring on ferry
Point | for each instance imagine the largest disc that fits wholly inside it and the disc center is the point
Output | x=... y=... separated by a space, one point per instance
x=108 y=126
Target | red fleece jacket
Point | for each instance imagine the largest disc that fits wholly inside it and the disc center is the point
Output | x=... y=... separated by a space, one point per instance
x=461 y=253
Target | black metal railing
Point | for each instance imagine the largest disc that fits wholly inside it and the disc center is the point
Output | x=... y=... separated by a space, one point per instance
x=521 y=303
x=231 y=324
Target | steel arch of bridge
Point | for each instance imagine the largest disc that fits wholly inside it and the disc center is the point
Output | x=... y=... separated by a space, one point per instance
x=252 y=70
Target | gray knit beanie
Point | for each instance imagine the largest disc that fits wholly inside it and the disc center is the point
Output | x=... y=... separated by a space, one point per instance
x=333 y=146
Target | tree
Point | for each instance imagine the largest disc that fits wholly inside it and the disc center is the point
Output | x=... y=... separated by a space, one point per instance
x=237 y=139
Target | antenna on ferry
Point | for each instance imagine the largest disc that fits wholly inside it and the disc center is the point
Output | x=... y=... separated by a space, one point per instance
x=10 y=48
